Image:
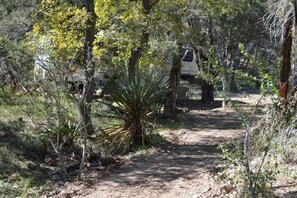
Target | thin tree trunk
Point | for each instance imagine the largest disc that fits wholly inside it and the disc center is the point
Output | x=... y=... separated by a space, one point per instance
x=286 y=60
x=224 y=84
x=170 y=106
x=172 y=97
x=83 y=157
x=84 y=103
x=89 y=68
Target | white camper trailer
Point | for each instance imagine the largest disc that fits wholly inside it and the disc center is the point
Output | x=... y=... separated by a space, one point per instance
x=189 y=62
x=76 y=79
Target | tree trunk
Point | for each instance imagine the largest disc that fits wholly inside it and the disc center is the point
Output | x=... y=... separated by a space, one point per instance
x=172 y=97
x=286 y=60
x=84 y=103
x=206 y=87
x=137 y=52
x=139 y=136
x=225 y=89
x=89 y=69
x=170 y=106
x=207 y=92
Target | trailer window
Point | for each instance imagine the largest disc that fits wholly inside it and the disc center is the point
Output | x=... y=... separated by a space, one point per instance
x=187 y=55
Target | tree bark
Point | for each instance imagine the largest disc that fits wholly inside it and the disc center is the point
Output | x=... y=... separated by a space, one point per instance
x=207 y=92
x=137 y=53
x=89 y=69
x=170 y=106
x=84 y=103
x=172 y=97
x=206 y=87
x=286 y=60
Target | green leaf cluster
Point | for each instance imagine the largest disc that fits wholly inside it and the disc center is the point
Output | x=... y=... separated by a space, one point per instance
x=59 y=29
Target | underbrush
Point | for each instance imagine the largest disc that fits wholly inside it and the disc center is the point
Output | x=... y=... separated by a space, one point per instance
x=255 y=167
x=22 y=173
x=23 y=170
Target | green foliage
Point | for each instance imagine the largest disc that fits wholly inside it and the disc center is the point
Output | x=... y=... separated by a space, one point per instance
x=288 y=132
x=143 y=149
x=121 y=25
x=19 y=147
x=268 y=86
x=255 y=182
x=254 y=165
x=63 y=136
x=264 y=77
x=15 y=18
x=16 y=59
x=232 y=154
x=135 y=100
x=214 y=72
x=59 y=29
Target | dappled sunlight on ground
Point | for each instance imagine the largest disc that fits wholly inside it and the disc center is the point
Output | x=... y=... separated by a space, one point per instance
x=185 y=166
x=181 y=168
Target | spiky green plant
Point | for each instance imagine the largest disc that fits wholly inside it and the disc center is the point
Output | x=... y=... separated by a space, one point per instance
x=134 y=101
x=63 y=136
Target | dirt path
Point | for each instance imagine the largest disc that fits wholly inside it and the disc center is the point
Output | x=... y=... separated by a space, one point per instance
x=181 y=169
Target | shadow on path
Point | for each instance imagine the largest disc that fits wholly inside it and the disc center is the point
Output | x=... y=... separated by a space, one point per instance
x=201 y=120
x=184 y=159
x=169 y=163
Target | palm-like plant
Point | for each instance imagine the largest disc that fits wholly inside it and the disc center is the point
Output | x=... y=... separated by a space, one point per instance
x=134 y=100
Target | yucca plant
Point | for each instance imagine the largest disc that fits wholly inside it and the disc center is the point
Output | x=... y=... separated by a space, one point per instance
x=134 y=101
x=63 y=136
